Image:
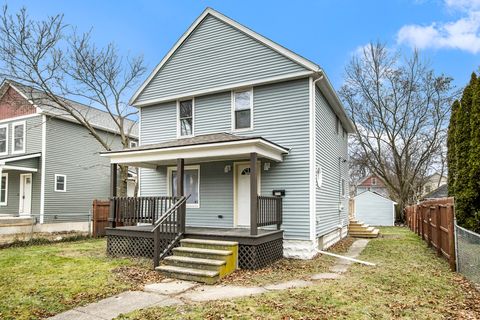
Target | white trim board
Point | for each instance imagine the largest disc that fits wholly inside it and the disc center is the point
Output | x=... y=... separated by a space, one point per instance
x=29 y=156
x=209 y=11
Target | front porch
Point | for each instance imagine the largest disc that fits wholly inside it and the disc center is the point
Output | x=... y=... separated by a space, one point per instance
x=153 y=226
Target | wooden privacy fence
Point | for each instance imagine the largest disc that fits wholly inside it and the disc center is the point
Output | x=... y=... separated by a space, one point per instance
x=434 y=221
x=100 y=213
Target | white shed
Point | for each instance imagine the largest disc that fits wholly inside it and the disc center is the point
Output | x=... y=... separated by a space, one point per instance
x=374 y=209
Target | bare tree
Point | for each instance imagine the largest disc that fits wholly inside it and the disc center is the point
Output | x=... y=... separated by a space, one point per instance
x=400 y=109
x=55 y=62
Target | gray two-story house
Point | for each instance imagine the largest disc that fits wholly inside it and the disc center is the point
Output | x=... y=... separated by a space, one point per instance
x=259 y=136
x=50 y=165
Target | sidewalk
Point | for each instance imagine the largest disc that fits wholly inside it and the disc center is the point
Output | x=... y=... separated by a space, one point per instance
x=173 y=292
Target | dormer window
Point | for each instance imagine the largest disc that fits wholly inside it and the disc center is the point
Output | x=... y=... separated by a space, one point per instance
x=242 y=110
x=185 y=118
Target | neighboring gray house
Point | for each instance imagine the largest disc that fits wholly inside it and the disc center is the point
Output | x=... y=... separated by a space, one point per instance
x=374 y=209
x=50 y=165
x=225 y=97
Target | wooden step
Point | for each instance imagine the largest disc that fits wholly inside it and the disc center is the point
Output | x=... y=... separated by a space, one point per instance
x=210 y=244
x=364 y=234
x=195 y=263
x=205 y=276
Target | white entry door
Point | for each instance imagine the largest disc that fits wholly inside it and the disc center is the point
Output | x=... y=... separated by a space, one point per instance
x=25 y=206
x=242 y=190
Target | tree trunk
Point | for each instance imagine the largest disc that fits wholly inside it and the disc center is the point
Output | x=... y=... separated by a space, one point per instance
x=122 y=187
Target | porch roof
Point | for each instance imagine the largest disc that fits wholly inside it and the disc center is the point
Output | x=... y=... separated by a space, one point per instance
x=208 y=147
x=22 y=163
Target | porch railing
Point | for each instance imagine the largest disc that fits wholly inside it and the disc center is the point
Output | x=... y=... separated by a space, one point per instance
x=270 y=211
x=168 y=230
x=133 y=210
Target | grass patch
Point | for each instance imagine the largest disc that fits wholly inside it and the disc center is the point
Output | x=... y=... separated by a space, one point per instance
x=409 y=282
x=286 y=269
x=43 y=280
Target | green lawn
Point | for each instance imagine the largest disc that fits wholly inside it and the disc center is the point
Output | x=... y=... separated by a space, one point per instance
x=409 y=282
x=43 y=280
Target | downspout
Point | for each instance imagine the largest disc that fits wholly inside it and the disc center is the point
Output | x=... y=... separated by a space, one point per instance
x=313 y=159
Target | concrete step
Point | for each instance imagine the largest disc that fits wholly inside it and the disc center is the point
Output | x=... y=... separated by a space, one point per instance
x=9 y=221
x=205 y=276
x=195 y=263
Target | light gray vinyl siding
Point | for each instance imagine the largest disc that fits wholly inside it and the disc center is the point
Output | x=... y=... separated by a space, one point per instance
x=72 y=151
x=281 y=114
x=330 y=150
x=216 y=193
x=33 y=136
x=374 y=210
x=13 y=197
x=216 y=54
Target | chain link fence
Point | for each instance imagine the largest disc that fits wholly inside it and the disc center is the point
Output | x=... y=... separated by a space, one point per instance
x=468 y=254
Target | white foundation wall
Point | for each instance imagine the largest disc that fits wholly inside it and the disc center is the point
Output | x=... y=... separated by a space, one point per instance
x=47 y=227
x=299 y=249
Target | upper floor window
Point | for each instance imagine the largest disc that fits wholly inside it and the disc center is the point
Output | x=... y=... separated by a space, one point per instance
x=18 y=141
x=185 y=118
x=374 y=181
x=133 y=144
x=242 y=108
x=3 y=139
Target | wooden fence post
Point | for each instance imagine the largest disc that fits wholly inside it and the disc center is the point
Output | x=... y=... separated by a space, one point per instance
x=438 y=219
x=451 y=236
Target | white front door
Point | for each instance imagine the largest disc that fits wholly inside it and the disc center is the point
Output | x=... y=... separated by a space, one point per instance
x=242 y=190
x=25 y=206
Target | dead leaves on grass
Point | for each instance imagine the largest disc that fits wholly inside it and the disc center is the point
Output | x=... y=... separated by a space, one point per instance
x=137 y=276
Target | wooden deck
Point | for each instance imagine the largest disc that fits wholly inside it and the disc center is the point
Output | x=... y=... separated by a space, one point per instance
x=240 y=235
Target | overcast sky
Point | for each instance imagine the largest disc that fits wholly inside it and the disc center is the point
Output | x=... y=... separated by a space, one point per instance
x=327 y=32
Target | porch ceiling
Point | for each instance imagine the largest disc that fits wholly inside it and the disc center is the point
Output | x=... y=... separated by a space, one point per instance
x=22 y=163
x=204 y=148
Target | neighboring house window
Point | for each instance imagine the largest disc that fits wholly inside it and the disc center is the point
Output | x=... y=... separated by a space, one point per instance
x=242 y=109
x=191 y=184
x=18 y=139
x=4 y=139
x=343 y=187
x=374 y=181
x=133 y=144
x=428 y=189
x=60 y=183
x=185 y=118
x=4 y=190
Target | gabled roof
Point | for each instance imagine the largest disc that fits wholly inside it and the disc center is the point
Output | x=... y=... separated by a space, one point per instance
x=375 y=194
x=98 y=118
x=312 y=68
x=440 y=192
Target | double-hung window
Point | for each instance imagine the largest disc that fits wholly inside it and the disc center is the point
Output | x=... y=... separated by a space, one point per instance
x=18 y=137
x=242 y=110
x=4 y=139
x=191 y=184
x=60 y=183
x=185 y=118
x=4 y=190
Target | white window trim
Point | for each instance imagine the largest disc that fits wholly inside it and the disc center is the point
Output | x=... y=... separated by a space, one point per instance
x=6 y=190
x=232 y=111
x=374 y=181
x=64 y=184
x=132 y=142
x=16 y=124
x=179 y=131
x=170 y=170
x=6 y=139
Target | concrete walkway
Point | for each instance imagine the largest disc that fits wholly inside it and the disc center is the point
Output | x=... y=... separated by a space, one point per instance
x=173 y=292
